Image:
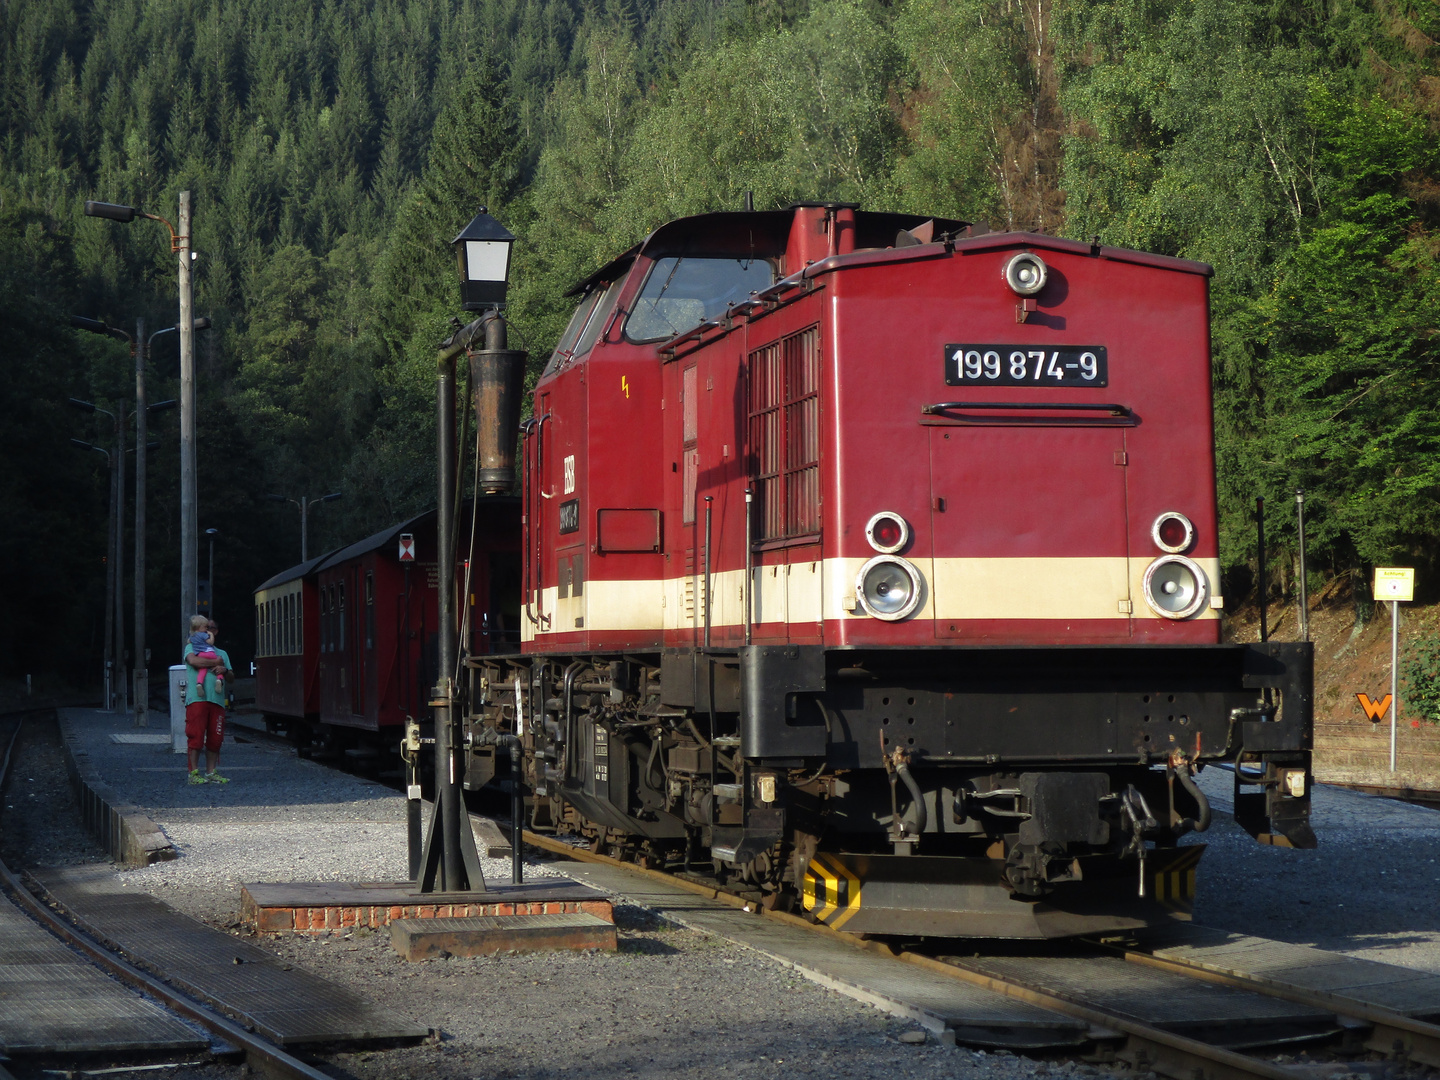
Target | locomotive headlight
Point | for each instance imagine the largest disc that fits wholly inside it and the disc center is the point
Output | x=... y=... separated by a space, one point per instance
x=887 y=532
x=1292 y=782
x=1172 y=532
x=1175 y=587
x=888 y=587
x=1025 y=274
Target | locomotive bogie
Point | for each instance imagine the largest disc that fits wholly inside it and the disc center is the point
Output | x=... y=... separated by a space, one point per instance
x=775 y=760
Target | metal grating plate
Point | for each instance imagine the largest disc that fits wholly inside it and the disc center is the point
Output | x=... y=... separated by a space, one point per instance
x=1165 y=999
x=202 y=962
x=1387 y=986
x=54 y=1002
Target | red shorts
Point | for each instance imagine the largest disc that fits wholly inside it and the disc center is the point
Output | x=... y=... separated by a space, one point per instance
x=204 y=726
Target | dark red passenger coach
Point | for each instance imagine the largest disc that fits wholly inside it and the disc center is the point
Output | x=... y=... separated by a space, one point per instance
x=348 y=640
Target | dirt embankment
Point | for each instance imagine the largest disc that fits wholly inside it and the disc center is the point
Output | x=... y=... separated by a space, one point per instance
x=1354 y=658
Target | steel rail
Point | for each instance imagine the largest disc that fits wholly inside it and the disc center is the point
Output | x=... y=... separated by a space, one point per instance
x=1391 y=1032
x=1147 y=1047
x=262 y=1056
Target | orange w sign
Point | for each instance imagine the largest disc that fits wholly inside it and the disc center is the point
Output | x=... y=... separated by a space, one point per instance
x=1374 y=710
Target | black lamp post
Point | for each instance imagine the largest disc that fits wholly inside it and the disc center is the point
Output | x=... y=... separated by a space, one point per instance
x=483 y=251
x=448 y=861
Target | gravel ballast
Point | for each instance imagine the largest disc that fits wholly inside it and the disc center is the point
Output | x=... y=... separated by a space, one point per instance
x=672 y=1001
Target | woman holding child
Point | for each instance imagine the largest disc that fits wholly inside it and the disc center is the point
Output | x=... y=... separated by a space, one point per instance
x=205 y=700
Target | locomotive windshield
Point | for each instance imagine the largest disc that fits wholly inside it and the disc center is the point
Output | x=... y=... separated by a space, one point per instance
x=683 y=291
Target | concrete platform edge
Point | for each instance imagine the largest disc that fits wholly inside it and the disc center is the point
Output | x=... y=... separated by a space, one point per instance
x=126 y=834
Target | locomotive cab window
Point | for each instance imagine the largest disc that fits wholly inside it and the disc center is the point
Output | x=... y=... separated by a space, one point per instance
x=585 y=325
x=684 y=291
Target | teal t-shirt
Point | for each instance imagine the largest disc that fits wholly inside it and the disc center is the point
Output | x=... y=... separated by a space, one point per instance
x=214 y=689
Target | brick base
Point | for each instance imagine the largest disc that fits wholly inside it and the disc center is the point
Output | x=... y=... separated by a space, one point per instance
x=312 y=909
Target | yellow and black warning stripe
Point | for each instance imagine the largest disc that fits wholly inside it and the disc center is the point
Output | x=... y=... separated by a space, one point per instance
x=830 y=891
x=1173 y=884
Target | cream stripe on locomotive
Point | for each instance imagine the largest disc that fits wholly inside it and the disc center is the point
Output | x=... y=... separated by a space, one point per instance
x=955 y=589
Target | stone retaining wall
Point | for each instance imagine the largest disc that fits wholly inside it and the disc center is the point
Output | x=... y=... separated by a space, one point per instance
x=122 y=829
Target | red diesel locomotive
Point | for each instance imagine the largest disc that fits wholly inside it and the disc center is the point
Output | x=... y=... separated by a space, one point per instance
x=870 y=562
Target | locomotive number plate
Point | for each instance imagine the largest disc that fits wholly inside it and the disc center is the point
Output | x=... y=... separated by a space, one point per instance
x=1017 y=365
x=569 y=516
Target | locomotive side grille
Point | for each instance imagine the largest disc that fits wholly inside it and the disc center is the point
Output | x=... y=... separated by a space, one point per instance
x=784 y=380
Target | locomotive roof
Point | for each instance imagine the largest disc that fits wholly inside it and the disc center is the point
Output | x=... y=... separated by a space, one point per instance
x=766 y=233
x=758 y=233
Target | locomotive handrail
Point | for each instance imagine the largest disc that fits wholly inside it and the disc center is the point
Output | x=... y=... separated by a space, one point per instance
x=680 y=339
x=1116 y=415
x=1062 y=406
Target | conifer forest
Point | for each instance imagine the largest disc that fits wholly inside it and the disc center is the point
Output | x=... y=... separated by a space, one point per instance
x=335 y=147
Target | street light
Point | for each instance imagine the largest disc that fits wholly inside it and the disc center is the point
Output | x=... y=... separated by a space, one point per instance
x=483 y=251
x=113 y=540
x=180 y=246
x=139 y=346
x=304 y=504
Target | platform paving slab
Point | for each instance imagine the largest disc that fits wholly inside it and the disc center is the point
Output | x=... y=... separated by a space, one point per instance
x=54 y=1002
x=319 y=906
x=487 y=935
x=1278 y=963
x=284 y=1003
x=950 y=1008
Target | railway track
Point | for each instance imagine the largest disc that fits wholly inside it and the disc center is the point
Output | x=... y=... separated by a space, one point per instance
x=1116 y=1035
x=1358 y=1026
x=261 y=1056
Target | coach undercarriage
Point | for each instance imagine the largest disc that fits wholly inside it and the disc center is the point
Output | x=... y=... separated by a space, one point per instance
x=983 y=792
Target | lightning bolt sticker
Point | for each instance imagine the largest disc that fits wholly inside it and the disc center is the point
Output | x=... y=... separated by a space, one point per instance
x=625 y=385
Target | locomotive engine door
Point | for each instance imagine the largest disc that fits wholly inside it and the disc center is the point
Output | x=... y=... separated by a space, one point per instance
x=1028 y=517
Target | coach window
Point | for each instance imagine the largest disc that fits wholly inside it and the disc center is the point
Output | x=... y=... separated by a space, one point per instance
x=260 y=629
x=682 y=292
x=340 y=618
x=369 y=609
x=784 y=407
